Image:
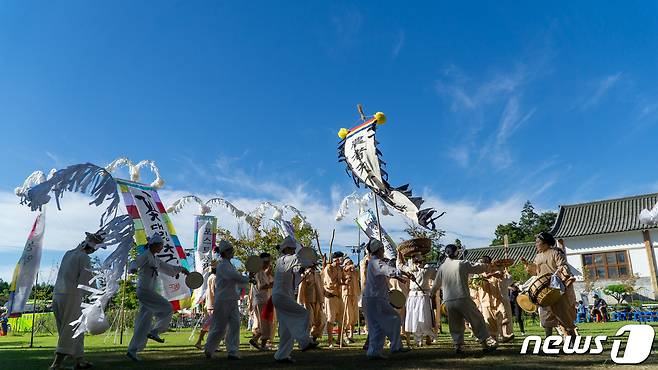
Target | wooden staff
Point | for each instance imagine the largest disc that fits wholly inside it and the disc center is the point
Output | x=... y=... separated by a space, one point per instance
x=379 y=226
x=506 y=243
x=331 y=243
x=123 y=310
x=317 y=242
x=34 y=307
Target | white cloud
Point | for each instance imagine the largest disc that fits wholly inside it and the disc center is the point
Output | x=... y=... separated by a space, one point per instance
x=399 y=42
x=606 y=83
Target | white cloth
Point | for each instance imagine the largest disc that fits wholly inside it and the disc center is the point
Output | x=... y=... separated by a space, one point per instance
x=225 y=323
x=66 y=308
x=293 y=318
x=452 y=278
x=383 y=321
x=149 y=267
x=465 y=309
x=377 y=278
x=226 y=316
x=418 y=320
x=74 y=269
x=151 y=304
x=227 y=281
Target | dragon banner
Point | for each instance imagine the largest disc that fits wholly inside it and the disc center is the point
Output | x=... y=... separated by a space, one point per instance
x=358 y=149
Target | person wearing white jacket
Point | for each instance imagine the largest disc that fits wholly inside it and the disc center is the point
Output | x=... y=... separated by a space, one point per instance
x=226 y=316
x=74 y=269
x=383 y=320
x=293 y=318
x=148 y=266
x=452 y=279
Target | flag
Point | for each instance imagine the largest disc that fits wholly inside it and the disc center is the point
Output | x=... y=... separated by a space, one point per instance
x=367 y=221
x=205 y=235
x=27 y=268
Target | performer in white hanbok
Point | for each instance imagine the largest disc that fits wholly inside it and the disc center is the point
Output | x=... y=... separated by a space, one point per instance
x=418 y=320
x=452 y=278
x=148 y=266
x=383 y=320
x=293 y=318
x=74 y=269
x=226 y=316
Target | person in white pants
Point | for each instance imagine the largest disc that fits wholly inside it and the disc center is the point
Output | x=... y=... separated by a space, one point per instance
x=383 y=320
x=148 y=266
x=226 y=316
x=452 y=278
x=293 y=318
x=74 y=269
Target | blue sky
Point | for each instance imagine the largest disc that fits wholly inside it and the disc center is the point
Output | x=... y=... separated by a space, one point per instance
x=488 y=104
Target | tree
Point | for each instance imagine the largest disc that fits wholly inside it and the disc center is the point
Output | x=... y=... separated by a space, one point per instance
x=616 y=291
x=518 y=272
x=529 y=225
x=249 y=242
x=415 y=231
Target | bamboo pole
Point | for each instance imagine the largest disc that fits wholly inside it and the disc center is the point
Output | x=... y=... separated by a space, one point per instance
x=34 y=308
x=122 y=319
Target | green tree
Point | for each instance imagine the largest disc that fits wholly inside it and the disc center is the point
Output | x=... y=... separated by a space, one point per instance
x=518 y=272
x=529 y=225
x=4 y=292
x=249 y=242
x=528 y=221
x=617 y=291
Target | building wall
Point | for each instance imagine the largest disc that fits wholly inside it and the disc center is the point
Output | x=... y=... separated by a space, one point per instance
x=632 y=242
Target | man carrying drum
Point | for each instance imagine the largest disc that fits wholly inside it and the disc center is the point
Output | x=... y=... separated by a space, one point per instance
x=551 y=260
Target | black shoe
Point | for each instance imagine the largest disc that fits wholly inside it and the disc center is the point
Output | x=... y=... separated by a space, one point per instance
x=287 y=360
x=254 y=343
x=310 y=346
x=401 y=350
x=155 y=338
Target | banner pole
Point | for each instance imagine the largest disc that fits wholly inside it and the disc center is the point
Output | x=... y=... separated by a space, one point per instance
x=122 y=318
x=34 y=308
x=379 y=226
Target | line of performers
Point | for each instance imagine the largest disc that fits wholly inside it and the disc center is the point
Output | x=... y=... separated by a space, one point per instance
x=304 y=299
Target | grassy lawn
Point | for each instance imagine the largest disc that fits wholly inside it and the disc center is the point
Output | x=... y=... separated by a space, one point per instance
x=177 y=352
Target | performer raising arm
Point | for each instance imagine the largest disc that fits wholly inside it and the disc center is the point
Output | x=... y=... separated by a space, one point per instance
x=148 y=265
x=452 y=278
x=383 y=321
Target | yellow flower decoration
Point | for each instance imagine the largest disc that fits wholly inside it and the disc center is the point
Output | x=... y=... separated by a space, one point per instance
x=380 y=117
x=342 y=134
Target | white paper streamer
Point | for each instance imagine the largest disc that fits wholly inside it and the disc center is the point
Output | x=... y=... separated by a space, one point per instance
x=205 y=207
x=83 y=178
x=119 y=232
x=279 y=213
x=134 y=169
x=649 y=217
x=362 y=202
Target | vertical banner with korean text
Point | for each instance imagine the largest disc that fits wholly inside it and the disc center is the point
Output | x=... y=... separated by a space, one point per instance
x=205 y=234
x=150 y=216
x=27 y=267
x=367 y=221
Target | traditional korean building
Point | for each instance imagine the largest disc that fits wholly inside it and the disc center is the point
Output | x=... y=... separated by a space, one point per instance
x=604 y=238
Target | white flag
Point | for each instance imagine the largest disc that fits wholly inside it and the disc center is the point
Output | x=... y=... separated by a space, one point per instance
x=27 y=267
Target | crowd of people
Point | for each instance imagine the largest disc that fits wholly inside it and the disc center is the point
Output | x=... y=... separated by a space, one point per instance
x=304 y=299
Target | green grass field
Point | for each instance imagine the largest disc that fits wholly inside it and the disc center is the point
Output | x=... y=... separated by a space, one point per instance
x=178 y=353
